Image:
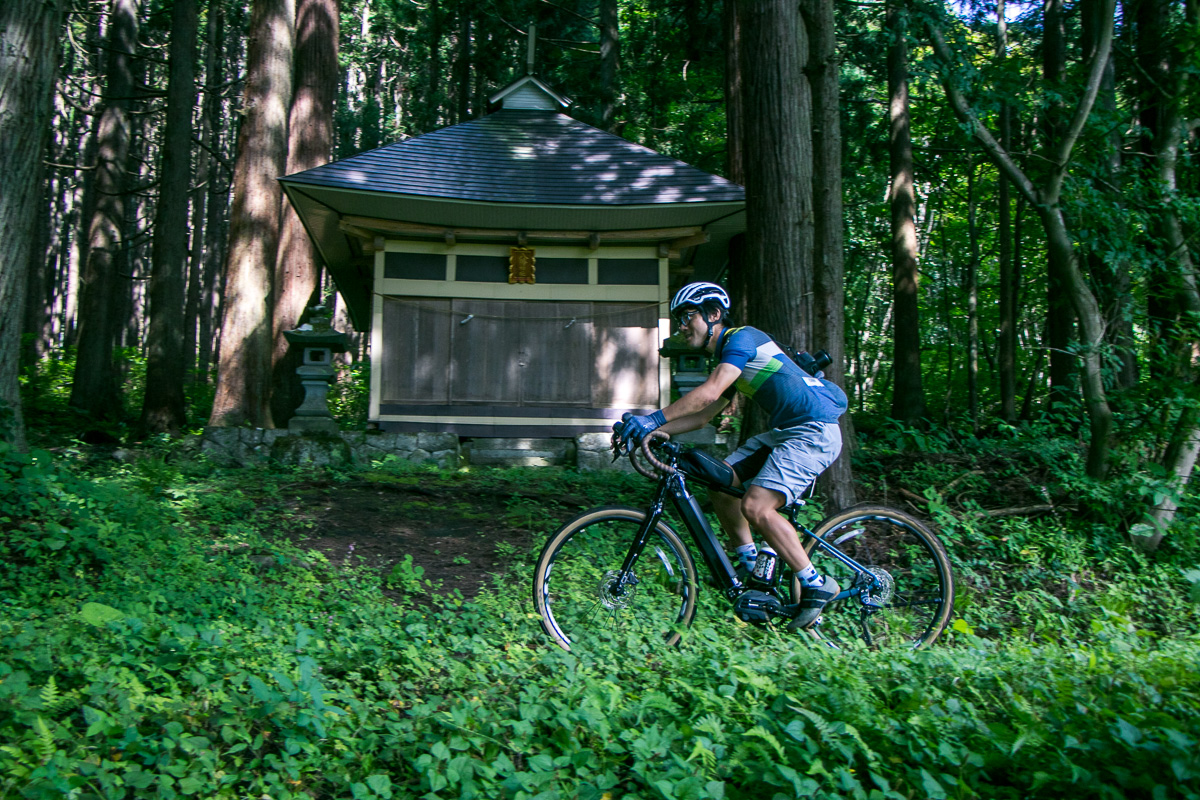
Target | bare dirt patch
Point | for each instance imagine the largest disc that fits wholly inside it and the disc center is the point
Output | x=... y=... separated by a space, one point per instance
x=458 y=538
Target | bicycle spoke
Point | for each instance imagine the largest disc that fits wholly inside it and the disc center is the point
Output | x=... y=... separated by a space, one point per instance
x=903 y=599
x=579 y=586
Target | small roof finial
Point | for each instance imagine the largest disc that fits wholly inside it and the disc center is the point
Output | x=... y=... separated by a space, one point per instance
x=529 y=51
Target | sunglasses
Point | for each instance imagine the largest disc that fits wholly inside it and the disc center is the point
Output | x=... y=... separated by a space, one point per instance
x=686 y=317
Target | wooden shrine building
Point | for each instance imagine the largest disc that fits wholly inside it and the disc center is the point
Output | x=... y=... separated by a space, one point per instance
x=514 y=270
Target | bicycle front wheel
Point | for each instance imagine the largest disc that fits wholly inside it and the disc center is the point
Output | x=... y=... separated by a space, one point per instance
x=912 y=595
x=580 y=591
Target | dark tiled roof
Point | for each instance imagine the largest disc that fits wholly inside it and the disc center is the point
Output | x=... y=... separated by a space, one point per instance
x=512 y=156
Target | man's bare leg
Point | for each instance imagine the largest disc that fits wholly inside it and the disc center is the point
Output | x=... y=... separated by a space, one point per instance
x=760 y=506
x=733 y=522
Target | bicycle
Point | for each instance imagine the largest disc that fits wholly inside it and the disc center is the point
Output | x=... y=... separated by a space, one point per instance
x=621 y=567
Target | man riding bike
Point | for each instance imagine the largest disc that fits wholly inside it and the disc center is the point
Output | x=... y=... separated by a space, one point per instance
x=775 y=467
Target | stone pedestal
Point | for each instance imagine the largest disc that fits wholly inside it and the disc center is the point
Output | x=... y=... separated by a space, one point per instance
x=316 y=373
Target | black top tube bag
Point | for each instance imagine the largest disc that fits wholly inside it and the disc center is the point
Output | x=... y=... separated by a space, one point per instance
x=709 y=470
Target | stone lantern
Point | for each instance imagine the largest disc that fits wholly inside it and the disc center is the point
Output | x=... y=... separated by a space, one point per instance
x=316 y=372
x=691 y=370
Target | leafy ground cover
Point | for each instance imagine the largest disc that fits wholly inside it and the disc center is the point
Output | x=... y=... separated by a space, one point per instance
x=169 y=629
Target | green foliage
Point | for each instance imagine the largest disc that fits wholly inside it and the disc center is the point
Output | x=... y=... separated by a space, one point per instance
x=349 y=396
x=161 y=639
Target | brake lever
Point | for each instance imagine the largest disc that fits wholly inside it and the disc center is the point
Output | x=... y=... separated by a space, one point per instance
x=618 y=451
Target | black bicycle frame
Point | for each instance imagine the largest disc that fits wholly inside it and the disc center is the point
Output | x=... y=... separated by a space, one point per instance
x=674 y=487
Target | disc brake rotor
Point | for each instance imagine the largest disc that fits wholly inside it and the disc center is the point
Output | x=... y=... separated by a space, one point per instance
x=610 y=596
x=884 y=588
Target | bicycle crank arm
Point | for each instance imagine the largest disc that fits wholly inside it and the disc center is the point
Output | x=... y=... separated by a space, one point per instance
x=755 y=606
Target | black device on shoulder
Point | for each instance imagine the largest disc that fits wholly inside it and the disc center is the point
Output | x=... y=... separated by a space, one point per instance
x=810 y=363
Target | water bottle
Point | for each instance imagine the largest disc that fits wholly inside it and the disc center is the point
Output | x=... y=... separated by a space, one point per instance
x=766 y=567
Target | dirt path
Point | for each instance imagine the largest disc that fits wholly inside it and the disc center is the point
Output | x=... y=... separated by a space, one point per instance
x=458 y=538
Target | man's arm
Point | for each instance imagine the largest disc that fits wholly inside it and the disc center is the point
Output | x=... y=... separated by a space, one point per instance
x=697 y=407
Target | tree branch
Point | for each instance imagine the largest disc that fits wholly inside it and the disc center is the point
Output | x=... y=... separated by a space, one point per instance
x=963 y=110
x=1062 y=153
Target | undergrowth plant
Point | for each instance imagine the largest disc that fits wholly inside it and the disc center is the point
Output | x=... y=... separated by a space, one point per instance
x=159 y=637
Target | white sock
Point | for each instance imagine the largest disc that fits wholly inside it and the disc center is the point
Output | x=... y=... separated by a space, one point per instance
x=747 y=555
x=809 y=577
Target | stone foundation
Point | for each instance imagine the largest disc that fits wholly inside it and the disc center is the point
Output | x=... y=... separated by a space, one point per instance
x=589 y=452
x=243 y=446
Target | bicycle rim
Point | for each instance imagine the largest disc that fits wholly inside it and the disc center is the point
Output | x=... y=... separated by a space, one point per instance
x=581 y=594
x=913 y=593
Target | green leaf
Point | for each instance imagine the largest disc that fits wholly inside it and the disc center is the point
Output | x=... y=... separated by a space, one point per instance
x=380 y=785
x=260 y=689
x=191 y=785
x=932 y=788
x=99 y=614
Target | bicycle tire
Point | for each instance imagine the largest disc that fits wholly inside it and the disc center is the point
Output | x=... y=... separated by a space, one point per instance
x=913 y=608
x=573 y=582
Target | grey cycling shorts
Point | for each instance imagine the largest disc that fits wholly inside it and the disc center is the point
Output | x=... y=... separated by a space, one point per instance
x=798 y=456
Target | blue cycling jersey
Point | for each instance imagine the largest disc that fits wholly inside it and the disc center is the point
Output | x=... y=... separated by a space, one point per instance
x=788 y=394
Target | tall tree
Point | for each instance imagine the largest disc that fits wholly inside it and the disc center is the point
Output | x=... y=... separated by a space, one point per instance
x=610 y=57
x=95 y=387
x=205 y=169
x=1046 y=198
x=310 y=144
x=1110 y=271
x=734 y=164
x=778 y=165
x=908 y=390
x=244 y=369
x=1006 y=339
x=29 y=41
x=1060 y=315
x=1178 y=50
x=829 y=285
x=164 y=408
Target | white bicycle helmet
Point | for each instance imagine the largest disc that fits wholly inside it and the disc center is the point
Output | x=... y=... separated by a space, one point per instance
x=699 y=293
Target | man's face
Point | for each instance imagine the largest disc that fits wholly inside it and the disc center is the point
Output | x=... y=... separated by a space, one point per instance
x=693 y=327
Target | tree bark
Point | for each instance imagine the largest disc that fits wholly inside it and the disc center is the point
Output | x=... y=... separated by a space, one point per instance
x=1060 y=315
x=829 y=292
x=734 y=167
x=95 y=388
x=908 y=392
x=29 y=45
x=778 y=170
x=164 y=408
x=310 y=144
x=244 y=370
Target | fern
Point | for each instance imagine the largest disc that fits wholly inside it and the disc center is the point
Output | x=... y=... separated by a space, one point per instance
x=43 y=743
x=52 y=699
x=765 y=735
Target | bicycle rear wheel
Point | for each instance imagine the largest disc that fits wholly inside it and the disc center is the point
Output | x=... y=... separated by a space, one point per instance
x=578 y=588
x=914 y=597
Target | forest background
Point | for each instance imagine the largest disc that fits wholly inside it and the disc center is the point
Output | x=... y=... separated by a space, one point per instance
x=1004 y=232
x=993 y=209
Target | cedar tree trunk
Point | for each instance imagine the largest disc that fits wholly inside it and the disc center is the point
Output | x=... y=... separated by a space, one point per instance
x=310 y=144
x=244 y=367
x=164 y=408
x=29 y=42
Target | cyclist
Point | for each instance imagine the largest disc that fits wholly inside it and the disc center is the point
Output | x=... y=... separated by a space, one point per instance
x=775 y=467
